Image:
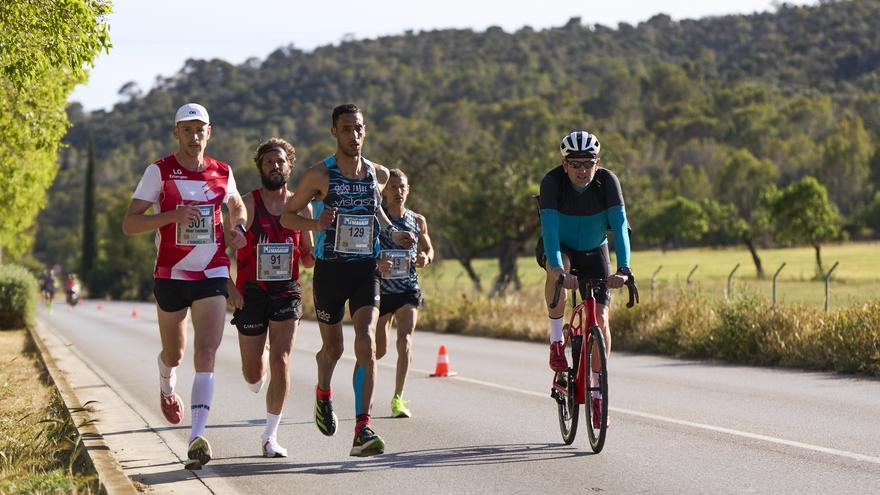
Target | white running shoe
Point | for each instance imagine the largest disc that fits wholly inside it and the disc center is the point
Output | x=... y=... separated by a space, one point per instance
x=272 y=449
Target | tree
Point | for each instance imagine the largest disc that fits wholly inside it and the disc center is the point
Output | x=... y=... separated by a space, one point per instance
x=679 y=218
x=44 y=46
x=802 y=212
x=89 y=250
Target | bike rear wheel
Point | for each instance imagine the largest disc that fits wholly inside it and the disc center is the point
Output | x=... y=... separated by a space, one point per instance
x=568 y=410
x=597 y=414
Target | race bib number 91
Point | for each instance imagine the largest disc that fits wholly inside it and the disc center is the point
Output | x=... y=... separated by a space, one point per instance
x=354 y=234
x=198 y=231
x=274 y=261
x=400 y=263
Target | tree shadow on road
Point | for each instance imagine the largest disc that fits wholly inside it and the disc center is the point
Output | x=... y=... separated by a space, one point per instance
x=429 y=458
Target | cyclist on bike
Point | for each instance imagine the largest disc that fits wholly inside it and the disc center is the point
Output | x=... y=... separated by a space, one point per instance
x=579 y=201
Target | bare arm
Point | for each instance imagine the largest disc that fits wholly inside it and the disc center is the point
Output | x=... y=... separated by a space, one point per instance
x=307 y=253
x=312 y=185
x=138 y=221
x=238 y=216
x=426 y=249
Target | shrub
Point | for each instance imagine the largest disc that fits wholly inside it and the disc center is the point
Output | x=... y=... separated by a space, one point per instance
x=18 y=297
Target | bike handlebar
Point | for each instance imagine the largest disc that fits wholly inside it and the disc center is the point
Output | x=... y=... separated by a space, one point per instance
x=630 y=283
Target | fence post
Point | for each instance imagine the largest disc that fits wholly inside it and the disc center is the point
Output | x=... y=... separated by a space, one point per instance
x=729 y=281
x=654 y=279
x=828 y=284
x=774 y=281
x=691 y=274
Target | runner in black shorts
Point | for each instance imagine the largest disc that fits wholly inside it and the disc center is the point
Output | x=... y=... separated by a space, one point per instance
x=268 y=280
x=347 y=189
x=401 y=296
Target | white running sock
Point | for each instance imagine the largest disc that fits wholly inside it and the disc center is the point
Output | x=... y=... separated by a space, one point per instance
x=202 y=394
x=257 y=387
x=556 y=330
x=594 y=383
x=272 y=421
x=167 y=377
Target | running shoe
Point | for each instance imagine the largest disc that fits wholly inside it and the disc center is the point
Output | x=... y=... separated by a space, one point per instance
x=172 y=407
x=199 y=453
x=367 y=443
x=398 y=408
x=557 y=357
x=272 y=449
x=325 y=418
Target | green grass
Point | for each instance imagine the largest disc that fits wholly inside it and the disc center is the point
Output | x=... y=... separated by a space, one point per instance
x=856 y=280
x=39 y=448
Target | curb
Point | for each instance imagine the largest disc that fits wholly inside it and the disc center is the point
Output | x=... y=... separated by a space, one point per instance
x=110 y=475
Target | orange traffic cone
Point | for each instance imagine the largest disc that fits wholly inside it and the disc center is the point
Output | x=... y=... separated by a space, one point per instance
x=443 y=364
x=134 y=312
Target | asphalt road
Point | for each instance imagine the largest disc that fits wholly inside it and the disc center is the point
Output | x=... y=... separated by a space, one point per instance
x=678 y=426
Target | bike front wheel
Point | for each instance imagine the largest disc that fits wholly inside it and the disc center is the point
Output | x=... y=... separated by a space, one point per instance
x=568 y=409
x=596 y=409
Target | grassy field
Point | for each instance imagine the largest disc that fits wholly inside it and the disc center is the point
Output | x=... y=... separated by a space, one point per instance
x=855 y=281
x=36 y=437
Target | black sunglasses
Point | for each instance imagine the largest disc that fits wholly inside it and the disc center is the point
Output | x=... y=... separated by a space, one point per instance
x=582 y=163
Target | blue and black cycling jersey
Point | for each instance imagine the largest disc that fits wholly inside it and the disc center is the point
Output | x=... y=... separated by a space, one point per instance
x=349 y=197
x=579 y=219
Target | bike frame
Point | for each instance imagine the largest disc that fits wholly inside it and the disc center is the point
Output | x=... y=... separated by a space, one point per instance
x=583 y=317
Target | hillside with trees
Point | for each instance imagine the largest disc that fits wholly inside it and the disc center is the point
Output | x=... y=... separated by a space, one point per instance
x=707 y=122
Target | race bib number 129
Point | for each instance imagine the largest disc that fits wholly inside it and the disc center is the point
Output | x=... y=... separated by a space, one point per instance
x=354 y=234
x=198 y=231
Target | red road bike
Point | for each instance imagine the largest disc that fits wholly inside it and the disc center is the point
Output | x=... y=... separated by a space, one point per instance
x=585 y=350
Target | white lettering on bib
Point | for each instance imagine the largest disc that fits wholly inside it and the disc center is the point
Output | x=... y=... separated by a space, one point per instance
x=400 y=263
x=274 y=261
x=354 y=234
x=198 y=231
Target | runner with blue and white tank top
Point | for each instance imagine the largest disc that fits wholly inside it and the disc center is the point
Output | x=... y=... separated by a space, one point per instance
x=401 y=297
x=345 y=190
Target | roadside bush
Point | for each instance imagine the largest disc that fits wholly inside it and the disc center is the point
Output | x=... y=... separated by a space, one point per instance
x=18 y=297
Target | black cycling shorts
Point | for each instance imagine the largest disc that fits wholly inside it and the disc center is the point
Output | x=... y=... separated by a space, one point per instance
x=336 y=282
x=595 y=263
x=173 y=295
x=392 y=302
x=260 y=308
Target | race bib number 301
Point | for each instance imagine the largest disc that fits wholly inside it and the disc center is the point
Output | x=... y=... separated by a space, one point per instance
x=400 y=263
x=198 y=231
x=274 y=261
x=354 y=234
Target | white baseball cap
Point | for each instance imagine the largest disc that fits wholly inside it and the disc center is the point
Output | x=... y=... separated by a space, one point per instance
x=192 y=111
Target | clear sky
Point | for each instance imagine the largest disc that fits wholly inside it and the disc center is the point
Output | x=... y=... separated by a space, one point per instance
x=155 y=37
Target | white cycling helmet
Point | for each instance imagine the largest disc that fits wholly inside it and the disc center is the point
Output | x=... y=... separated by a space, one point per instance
x=579 y=144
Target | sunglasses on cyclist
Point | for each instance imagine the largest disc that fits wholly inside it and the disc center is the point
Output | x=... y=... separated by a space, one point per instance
x=587 y=163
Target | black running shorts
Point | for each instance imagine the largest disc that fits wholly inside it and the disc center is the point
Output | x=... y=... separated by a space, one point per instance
x=336 y=282
x=261 y=307
x=392 y=302
x=173 y=295
x=595 y=263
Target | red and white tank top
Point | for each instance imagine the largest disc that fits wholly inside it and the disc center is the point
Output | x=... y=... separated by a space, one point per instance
x=194 y=251
x=271 y=256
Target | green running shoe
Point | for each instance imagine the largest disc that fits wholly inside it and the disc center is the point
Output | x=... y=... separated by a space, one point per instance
x=199 y=453
x=325 y=418
x=398 y=408
x=367 y=443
